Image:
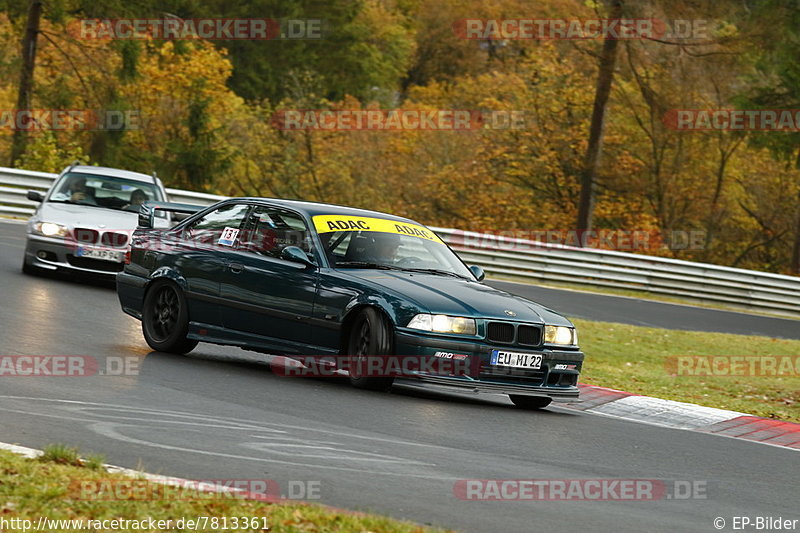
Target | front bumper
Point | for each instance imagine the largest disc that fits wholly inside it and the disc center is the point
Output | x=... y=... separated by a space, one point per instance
x=557 y=383
x=53 y=254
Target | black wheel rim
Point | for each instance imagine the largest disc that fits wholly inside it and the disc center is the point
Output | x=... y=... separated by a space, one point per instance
x=362 y=341
x=359 y=348
x=164 y=313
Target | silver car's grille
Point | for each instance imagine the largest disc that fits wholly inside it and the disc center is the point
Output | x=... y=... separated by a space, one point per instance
x=114 y=239
x=86 y=235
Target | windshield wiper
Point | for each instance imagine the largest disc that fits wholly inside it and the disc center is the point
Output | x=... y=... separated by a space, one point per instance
x=435 y=271
x=379 y=266
x=70 y=202
x=366 y=264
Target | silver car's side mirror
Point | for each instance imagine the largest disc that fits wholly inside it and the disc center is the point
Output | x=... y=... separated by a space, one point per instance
x=35 y=196
x=478 y=272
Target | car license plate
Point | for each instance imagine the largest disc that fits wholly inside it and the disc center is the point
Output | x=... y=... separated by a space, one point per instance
x=99 y=253
x=516 y=360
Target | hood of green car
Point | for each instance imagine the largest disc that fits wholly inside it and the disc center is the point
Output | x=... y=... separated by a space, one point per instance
x=445 y=295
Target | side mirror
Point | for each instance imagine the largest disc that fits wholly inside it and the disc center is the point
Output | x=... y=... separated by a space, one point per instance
x=296 y=255
x=478 y=272
x=35 y=196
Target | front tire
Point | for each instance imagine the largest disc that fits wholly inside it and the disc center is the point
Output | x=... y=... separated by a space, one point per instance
x=530 y=403
x=370 y=336
x=165 y=319
x=29 y=269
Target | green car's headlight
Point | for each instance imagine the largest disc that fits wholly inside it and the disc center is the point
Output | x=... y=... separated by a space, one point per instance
x=443 y=324
x=50 y=229
x=560 y=335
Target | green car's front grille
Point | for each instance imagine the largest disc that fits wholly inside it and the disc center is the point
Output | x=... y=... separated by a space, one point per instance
x=511 y=333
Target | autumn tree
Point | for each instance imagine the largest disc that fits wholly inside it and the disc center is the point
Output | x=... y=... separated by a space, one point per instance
x=777 y=23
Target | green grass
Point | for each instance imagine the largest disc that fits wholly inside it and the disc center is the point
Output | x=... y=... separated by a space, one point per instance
x=65 y=455
x=47 y=486
x=61 y=454
x=635 y=359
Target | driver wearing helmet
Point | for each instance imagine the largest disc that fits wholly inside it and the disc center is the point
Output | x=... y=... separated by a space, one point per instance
x=383 y=249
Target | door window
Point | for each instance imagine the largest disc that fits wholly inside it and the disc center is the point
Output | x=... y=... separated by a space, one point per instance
x=220 y=227
x=269 y=230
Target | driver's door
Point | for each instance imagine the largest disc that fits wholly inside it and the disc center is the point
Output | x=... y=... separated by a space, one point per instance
x=266 y=295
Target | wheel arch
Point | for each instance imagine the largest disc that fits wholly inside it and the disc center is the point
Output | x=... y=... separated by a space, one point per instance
x=165 y=274
x=350 y=316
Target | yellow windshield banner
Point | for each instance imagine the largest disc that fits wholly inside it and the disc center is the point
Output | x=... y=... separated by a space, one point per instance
x=331 y=223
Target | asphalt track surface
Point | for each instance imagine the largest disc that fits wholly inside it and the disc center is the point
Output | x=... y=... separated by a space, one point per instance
x=220 y=413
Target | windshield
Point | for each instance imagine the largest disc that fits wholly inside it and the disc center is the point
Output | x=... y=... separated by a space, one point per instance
x=104 y=191
x=368 y=242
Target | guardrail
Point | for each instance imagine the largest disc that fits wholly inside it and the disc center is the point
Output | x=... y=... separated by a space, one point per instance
x=542 y=262
x=535 y=261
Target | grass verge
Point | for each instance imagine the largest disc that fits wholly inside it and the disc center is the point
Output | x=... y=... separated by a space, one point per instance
x=637 y=359
x=53 y=486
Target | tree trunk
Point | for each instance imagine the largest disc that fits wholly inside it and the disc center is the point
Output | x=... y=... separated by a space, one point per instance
x=794 y=266
x=26 y=75
x=605 y=77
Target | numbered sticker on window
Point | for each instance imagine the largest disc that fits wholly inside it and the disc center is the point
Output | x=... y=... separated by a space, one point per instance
x=228 y=236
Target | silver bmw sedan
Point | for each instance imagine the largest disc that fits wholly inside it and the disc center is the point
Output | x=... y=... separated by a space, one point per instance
x=84 y=222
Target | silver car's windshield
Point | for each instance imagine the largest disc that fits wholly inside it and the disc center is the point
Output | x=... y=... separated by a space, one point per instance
x=103 y=191
x=367 y=242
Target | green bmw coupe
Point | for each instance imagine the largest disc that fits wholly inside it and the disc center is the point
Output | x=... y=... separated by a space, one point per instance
x=373 y=296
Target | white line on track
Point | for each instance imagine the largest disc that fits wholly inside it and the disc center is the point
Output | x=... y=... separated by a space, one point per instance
x=77 y=411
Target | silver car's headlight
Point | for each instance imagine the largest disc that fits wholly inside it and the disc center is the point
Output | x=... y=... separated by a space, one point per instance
x=50 y=229
x=560 y=335
x=443 y=324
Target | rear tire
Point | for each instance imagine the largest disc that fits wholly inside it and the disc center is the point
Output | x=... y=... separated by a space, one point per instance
x=530 y=403
x=165 y=319
x=370 y=335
